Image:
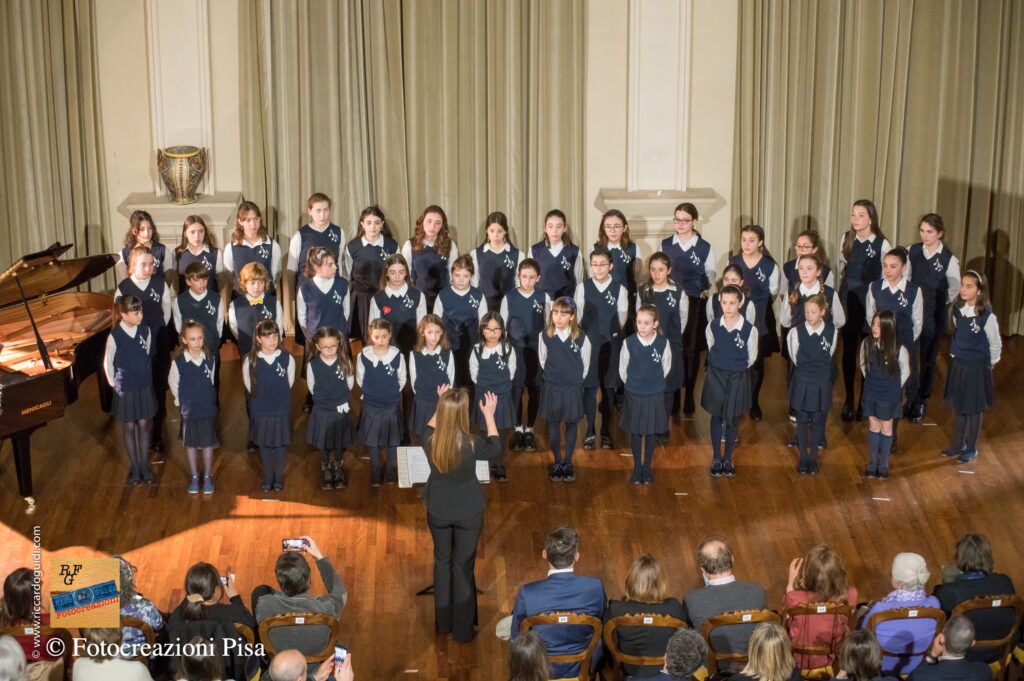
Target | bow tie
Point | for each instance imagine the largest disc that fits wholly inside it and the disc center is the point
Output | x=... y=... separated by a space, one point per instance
x=256 y=301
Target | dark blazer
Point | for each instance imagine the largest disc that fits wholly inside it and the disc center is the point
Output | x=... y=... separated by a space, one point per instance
x=952 y=670
x=562 y=591
x=218 y=626
x=987 y=625
x=645 y=641
x=456 y=495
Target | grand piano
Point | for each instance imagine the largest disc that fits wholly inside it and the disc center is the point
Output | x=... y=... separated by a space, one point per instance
x=49 y=344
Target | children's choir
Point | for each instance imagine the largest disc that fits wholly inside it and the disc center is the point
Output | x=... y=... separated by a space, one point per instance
x=554 y=331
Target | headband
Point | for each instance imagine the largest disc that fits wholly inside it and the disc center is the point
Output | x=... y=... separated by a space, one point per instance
x=567 y=300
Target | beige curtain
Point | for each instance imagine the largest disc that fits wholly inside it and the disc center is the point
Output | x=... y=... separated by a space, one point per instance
x=51 y=174
x=916 y=105
x=473 y=105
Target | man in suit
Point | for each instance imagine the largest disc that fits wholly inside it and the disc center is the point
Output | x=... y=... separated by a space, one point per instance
x=722 y=594
x=562 y=591
x=684 y=655
x=947 y=659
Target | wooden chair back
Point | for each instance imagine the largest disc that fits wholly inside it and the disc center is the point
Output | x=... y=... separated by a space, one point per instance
x=301 y=619
x=1005 y=644
x=127 y=621
x=620 y=658
x=565 y=619
x=729 y=619
x=842 y=611
x=245 y=632
x=904 y=614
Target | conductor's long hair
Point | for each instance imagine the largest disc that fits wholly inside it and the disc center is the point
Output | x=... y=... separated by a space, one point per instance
x=452 y=430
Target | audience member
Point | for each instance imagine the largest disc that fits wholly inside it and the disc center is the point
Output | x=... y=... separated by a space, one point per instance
x=860 y=658
x=646 y=590
x=562 y=591
x=946 y=661
x=12 y=660
x=819 y=577
x=16 y=610
x=133 y=604
x=290 y=665
x=722 y=594
x=684 y=655
x=201 y=664
x=973 y=557
x=909 y=578
x=769 y=656
x=106 y=665
x=527 y=659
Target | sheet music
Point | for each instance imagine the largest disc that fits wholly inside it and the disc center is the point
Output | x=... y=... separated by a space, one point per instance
x=413 y=468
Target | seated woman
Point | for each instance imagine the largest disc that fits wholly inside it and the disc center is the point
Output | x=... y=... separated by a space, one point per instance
x=133 y=604
x=16 y=614
x=645 y=593
x=909 y=577
x=106 y=665
x=769 y=657
x=860 y=658
x=527 y=658
x=201 y=613
x=819 y=577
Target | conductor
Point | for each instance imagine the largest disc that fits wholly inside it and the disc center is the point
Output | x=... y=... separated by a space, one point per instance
x=455 y=505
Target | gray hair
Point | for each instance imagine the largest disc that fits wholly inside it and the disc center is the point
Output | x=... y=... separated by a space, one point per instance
x=910 y=571
x=685 y=653
x=12 y=660
x=959 y=635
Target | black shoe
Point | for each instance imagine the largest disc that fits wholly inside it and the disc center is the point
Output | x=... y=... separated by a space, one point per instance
x=515 y=443
x=801 y=468
x=728 y=470
x=157 y=446
x=148 y=477
x=251 y=447
x=871 y=472
x=661 y=438
x=860 y=412
x=793 y=443
x=606 y=442
x=499 y=473
x=392 y=476
x=883 y=474
x=848 y=414
x=716 y=468
x=529 y=441
x=568 y=474
x=688 y=406
x=951 y=452
x=588 y=442
x=266 y=488
x=375 y=477
x=812 y=469
x=278 y=486
x=968 y=456
x=648 y=478
x=555 y=474
x=636 y=478
x=755 y=412
x=917 y=413
x=328 y=481
x=340 y=479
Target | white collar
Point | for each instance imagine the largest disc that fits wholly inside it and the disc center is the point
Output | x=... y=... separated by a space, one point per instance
x=378 y=242
x=204 y=249
x=719 y=581
x=198 y=361
x=369 y=354
x=318 y=229
x=661 y=289
x=815 y=332
x=871 y=236
x=902 y=286
x=805 y=291
x=249 y=298
x=396 y=292
x=486 y=352
x=323 y=283
x=143 y=284
x=504 y=249
x=563 y=335
x=431 y=353
x=526 y=295
x=329 y=362
x=555 y=571
x=967 y=311
x=269 y=359
x=739 y=323
x=649 y=343
x=555 y=250
x=461 y=293
x=938 y=249
x=616 y=247
x=250 y=244
x=685 y=245
x=205 y=295
x=602 y=287
x=130 y=330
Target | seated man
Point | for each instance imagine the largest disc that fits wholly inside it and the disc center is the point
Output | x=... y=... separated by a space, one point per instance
x=722 y=594
x=947 y=658
x=290 y=665
x=973 y=556
x=562 y=591
x=683 y=656
x=293 y=576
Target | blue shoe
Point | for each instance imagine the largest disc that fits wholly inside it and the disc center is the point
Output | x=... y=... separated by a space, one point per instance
x=954 y=451
x=208 y=484
x=968 y=456
x=193 y=485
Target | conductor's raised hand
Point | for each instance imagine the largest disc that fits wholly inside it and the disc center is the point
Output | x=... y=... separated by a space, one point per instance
x=442 y=389
x=489 y=404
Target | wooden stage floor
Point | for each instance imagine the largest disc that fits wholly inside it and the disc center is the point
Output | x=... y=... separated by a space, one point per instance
x=378 y=539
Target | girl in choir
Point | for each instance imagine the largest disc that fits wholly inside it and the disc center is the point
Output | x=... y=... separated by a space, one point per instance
x=732 y=349
x=142 y=232
x=323 y=297
x=561 y=265
x=253 y=306
x=430 y=253
x=461 y=305
x=885 y=365
x=975 y=349
x=155 y=294
x=399 y=302
x=564 y=356
x=644 y=364
x=525 y=310
x=808 y=242
x=495 y=261
x=861 y=262
x=250 y=242
x=812 y=345
x=603 y=304
x=127 y=363
x=319 y=232
x=192 y=384
x=627 y=260
x=935 y=269
x=330 y=377
x=197 y=247
x=198 y=303
x=430 y=366
x=380 y=373
x=693 y=269
x=761 y=276
x=269 y=373
x=492 y=366
x=363 y=264
x=673 y=307
x=732 y=275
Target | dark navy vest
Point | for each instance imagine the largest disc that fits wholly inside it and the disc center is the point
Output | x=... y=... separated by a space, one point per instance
x=600 y=318
x=688 y=266
x=879 y=384
x=557 y=274
x=814 y=357
x=461 y=315
x=429 y=270
x=431 y=373
x=668 y=303
x=196 y=392
x=646 y=372
x=757 y=280
x=525 y=317
x=969 y=340
x=622 y=266
x=325 y=309
x=152 y=307
x=863 y=266
x=730 y=351
x=930 y=275
x=902 y=305
x=793 y=276
x=133 y=365
x=248 y=316
x=497 y=272
x=797 y=310
x=368 y=263
x=208 y=258
x=330 y=239
x=330 y=385
x=159 y=252
x=205 y=312
x=401 y=312
x=493 y=374
x=242 y=255
x=564 y=363
x=380 y=382
x=272 y=393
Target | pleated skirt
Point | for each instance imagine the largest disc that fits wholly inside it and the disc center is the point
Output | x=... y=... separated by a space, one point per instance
x=969 y=386
x=504 y=415
x=644 y=414
x=199 y=432
x=381 y=426
x=810 y=394
x=270 y=430
x=726 y=394
x=561 y=403
x=328 y=430
x=423 y=409
x=133 y=405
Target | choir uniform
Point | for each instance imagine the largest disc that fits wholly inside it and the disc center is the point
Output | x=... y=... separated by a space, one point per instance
x=212 y=259
x=643 y=368
x=428 y=371
x=938 y=276
x=810 y=390
x=561 y=268
x=430 y=270
x=191 y=382
x=363 y=265
x=494 y=272
x=269 y=406
x=266 y=252
x=404 y=307
x=246 y=312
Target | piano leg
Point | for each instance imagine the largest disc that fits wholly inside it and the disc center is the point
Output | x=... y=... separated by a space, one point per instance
x=106 y=393
x=23 y=465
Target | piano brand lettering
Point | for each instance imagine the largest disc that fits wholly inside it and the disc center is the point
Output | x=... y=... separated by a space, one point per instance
x=37 y=407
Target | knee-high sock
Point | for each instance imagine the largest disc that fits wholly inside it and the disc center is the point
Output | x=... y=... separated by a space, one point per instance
x=554 y=438
x=884 y=447
x=570 y=441
x=392 y=458
x=803 y=436
x=730 y=438
x=636 y=444
x=590 y=408
x=649 y=443
x=267 y=459
x=517 y=405
x=874 y=442
x=717 y=428
x=375 y=458
x=974 y=422
x=279 y=454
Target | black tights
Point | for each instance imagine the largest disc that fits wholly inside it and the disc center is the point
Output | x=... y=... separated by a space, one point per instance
x=273 y=464
x=967 y=430
x=554 y=436
x=390 y=452
x=643 y=453
x=532 y=406
x=331 y=457
x=810 y=433
x=136 y=443
x=853 y=334
x=193 y=453
x=723 y=428
x=756 y=379
x=590 y=407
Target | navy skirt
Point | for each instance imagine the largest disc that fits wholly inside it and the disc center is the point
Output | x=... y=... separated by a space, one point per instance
x=328 y=430
x=133 y=405
x=270 y=430
x=969 y=386
x=199 y=432
x=726 y=394
x=423 y=409
x=561 y=403
x=809 y=393
x=381 y=426
x=881 y=408
x=504 y=415
x=527 y=368
x=644 y=414
x=677 y=372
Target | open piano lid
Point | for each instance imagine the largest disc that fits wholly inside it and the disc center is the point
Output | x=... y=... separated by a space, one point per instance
x=42 y=273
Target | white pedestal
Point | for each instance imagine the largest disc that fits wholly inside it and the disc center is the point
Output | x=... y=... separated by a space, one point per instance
x=217 y=210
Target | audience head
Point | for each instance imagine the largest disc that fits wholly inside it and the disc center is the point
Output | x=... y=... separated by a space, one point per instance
x=292 y=573
x=128 y=592
x=562 y=548
x=202 y=589
x=909 y=572
x=203 y=664
x=288 y=665
x=684 y=653
x=769 y=653
x=860 y=656
x=12 y=660
x=17 y=603
x=973 y=553
x=958 y=635
x=822 y=573
x=645 y=582
x=105 y=640
x=714 y=557
x=527 y=658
